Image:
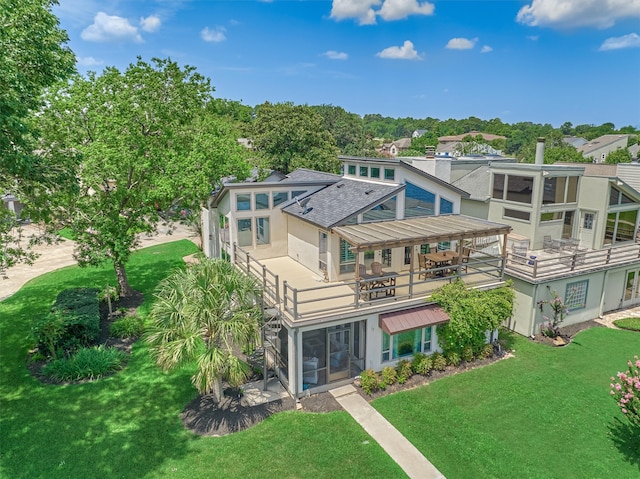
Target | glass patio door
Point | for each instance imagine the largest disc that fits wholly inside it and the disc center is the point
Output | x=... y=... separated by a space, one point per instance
x=631 y=288
x=339 y=352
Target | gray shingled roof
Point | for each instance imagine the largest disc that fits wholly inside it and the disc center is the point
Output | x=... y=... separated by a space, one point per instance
x=338 y=202
x=303 y=174
x=477 y=182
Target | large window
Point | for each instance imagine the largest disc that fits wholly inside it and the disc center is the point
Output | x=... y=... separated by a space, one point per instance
x=347 y=258
x=418 y=202
x=617 y=197
x=243 y=202
x=280 y=197
x=263 y=233
x=620 y=226
x=519 y=188
x=446 y=207
x=406 y=344
x=560 y=189
x=516 y=214
x=575 y=296
x=262 y=201
x=383 y=211
x=244 y=232
x=498 y=186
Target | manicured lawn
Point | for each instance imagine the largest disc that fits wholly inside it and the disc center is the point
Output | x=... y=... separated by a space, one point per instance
x=628 y=323
x=128 y=425
x=545 y=413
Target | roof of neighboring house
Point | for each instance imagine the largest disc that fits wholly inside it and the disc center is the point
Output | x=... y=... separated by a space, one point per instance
x=340 y=201
x=599 y=142
x=403 y=143
x=419 y=133
x=598 y=169
x=574 y=141
x=486 y=136
x=634 y=149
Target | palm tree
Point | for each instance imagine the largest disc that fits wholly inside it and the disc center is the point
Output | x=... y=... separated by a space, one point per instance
x=205 y=313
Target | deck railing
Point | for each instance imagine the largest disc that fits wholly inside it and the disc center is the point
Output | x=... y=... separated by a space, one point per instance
x=566 y=262
x=344 y=296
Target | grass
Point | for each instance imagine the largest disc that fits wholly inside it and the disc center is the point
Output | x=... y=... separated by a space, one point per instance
x=128 y=425
x=628 y=323
x=546 y=412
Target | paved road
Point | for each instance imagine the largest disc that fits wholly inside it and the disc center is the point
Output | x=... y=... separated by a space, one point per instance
x=57 y=256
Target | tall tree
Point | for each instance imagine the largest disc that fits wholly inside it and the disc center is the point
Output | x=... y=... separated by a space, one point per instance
x=347 y=130
x=288 y=136
x=33 y=56
x=142 y=140
x=204 y=314
x=621 y=155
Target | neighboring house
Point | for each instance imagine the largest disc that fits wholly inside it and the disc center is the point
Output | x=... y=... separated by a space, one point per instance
x=458 y=138
x=574 y=141
x=418 y=133
x=633 y=150
x=340 y=259
x=456 y=149
x=391 y=150
x=12 y=204
x=598 y=148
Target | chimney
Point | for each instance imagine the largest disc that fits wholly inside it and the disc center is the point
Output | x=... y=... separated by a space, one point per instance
x=540 y=151
x=430 y=151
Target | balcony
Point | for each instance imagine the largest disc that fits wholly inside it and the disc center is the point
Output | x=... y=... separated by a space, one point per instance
x=558 y=262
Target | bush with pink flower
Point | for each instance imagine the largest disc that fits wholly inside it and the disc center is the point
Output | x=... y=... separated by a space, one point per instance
x=626 y=391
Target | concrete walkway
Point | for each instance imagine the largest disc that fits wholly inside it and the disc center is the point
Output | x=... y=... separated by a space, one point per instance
x=56 y=256
x=412 y=462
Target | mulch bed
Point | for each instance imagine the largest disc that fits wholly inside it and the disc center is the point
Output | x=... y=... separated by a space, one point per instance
x=567 y=333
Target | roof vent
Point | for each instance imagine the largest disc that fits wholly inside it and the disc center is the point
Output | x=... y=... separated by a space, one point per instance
x=339 y=185
x=368 y=192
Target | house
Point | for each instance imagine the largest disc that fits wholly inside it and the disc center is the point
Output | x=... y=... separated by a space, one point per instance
x=418 y=133
x=575 y=141
x=598 y=148
x=392 y=149
x=574 y=231
x=348 y=263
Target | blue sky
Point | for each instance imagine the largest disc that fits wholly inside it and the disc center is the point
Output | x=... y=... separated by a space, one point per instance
x=544 y=61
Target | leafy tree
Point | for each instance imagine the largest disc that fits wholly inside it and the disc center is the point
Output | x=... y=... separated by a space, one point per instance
x=418 y=145
x=621 y=155
x=288 y=136
x=142 y=140
x=203 y=314
x=33 y=56
x=347 y=130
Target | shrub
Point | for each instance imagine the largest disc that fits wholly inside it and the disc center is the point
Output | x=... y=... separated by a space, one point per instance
x=467 y=354
x=369 y=381
x=404 y=370
x=421 y=364
x=74 y=322
x=626 y=391
x=453 y=358
x=87 y=363
x=389 y=376
x=438 y=361
x=486 y=351
x=549 y=330
x=127 y=327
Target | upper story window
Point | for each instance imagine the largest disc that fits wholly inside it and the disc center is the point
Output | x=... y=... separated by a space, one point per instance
x=418 y=202
x=297 y=193
x=262 y=201
x=243 y=202
x=617 y=197
x=280 y=197
x=389 y=174
x=375 y=172
x=446 y=206
x=364 y=171
x=383 y=211
x=516 y=188
x=560 y=189
x=351 y=169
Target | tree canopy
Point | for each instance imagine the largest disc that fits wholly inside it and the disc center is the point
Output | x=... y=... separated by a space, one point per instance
x=140 y=140
x=621 y=155
x=288 y=136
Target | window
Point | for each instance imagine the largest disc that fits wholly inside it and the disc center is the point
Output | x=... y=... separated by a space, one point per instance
x=389 y=174
x=224 y=229
x=280 y=197
x=351 y=169
x=519 y=188
x=347 y=258
x=407 y=343
x=418 y=202
x=244 y=232
x=444 y=245
x=517 y=214
x=297 y=193
x=446 y=207
x=364 y=171
x=407 y=254
x=263 y=234
x=575 y=296
x=617 y=197
x=554 y=190
x=322 y=250
x=262 y=201
x=558 y=215
x=243 y=202
x=386 y=257
x=572 y=189
x=381 y=212
x=498 y=186
x=621 y=226
x=588 y=221
x=375 y=172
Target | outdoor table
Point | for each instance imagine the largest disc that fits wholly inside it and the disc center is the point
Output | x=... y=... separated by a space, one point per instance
x=378 y=284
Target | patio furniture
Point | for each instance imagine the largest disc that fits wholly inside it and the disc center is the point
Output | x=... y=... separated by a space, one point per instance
x=464 y=260
x=376 y=268
x=519 y=254
x=440 y=259
x=362 y=271
x=373 y=286
x=547 y=245
x=424 y=266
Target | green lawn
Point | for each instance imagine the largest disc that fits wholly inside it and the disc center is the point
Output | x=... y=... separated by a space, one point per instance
x=544 y=413
x=128 y=425
x=628 y=323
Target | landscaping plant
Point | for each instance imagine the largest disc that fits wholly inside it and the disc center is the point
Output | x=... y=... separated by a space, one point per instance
x=404 y=371
x=369 y=381
x=626 y=391
x=559 y=311
x=87 y=363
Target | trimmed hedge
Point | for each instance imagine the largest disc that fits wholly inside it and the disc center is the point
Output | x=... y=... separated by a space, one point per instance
x=74 y=322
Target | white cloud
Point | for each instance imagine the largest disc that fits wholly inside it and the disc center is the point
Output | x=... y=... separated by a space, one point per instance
x=215 y=34
x=359 y=9
x=110 y=28
x=616 y=43
x=399 y=9
x=334 y=55
x=577 y=13
x=405 y=52
x=461 y=43
x=486 y=49
x=150 y=24
x=533 y=38
x=89 y=61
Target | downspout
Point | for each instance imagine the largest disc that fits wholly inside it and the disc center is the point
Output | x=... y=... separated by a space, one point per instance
x=533 y=310
x=604 y=285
